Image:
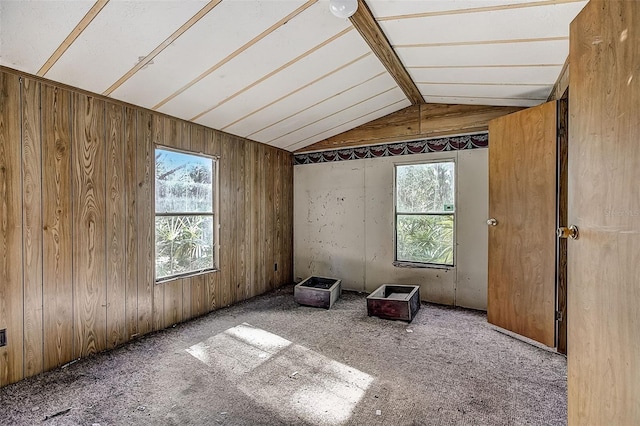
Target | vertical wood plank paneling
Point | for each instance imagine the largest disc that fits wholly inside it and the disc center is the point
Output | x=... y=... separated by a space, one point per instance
x=158 y=290
x=172 y=136
x=116 y=224
x=225 y=222
x=77 y=224
x=284 y=277
x=264 y=217
x=195 y=297
x=57 y=227
x=185 y=142
x=213 y=143
x=277 y=211
x=172 y=292
x=197 y=138
x=89 y=225
x=287 y=212
x=248 y=206
x=145 y=219
x=232 y=218
x=256 y=206
x=241 y=254
x=290 y=219
x=187 y=311
x=282 y=217
x=288 y=172
x=212 y=281
x=184 y=139
x=277 y=205
x=131 y=231
x=269 y=213
x=175 y=135
x=248 y=241
x=172 y=302
x=194 y=292
x=158 y=307
x=261 y=246
x=11 y=294
x=32 y=227
x=223 y=194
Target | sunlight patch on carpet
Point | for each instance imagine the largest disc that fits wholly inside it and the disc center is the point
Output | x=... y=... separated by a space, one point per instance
x=283 y=376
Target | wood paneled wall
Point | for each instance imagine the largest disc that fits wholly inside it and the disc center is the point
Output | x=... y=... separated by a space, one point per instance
x=77 y=224
x=416 y=122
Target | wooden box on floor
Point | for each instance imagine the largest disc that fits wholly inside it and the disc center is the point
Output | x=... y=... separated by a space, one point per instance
x=320 y=292
x=396 y=302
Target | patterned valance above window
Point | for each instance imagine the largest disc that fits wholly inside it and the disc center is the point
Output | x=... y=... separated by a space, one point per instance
x=480 y=140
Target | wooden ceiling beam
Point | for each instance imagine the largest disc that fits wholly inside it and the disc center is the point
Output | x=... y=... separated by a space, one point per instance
x=369 y=29
x=416 y=122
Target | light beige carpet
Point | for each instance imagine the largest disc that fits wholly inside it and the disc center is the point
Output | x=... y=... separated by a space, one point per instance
x=268 y=361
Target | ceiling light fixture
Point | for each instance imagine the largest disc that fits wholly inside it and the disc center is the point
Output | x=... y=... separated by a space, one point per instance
x=343 y=8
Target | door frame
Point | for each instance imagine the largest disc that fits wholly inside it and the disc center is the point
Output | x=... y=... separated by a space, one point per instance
x=562 y=181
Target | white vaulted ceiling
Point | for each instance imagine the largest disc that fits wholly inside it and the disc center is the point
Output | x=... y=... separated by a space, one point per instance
x=287 y=72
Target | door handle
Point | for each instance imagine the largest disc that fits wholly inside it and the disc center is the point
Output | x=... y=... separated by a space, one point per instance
x=570 y=232
x=492 y=222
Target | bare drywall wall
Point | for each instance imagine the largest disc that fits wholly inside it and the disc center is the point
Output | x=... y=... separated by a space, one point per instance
x=343 y=227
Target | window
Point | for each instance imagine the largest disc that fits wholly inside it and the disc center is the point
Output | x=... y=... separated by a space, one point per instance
x=184 y=213
x=425 y=213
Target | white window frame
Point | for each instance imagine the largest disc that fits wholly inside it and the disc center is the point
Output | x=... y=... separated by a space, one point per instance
x=215 y=214
x=414 y=264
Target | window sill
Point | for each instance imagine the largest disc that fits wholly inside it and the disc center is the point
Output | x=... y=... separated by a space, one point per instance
x=402 y=264
x=189 y=275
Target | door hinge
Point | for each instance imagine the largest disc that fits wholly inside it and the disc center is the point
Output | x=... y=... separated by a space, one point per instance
x=558 y=316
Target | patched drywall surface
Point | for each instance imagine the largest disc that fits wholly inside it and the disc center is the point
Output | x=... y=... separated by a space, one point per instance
x=343 y=227
x=329 y=209
x=471 y=228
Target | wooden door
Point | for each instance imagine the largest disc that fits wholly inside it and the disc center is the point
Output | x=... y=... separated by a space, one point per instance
x=604 y=202
x=522 y=200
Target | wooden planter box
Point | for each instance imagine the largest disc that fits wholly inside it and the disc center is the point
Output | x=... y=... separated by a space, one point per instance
x=396 y=302
x=318 y=291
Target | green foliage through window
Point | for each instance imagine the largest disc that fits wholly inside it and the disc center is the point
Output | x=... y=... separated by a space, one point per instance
x=425 y=204
x=184 y=213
